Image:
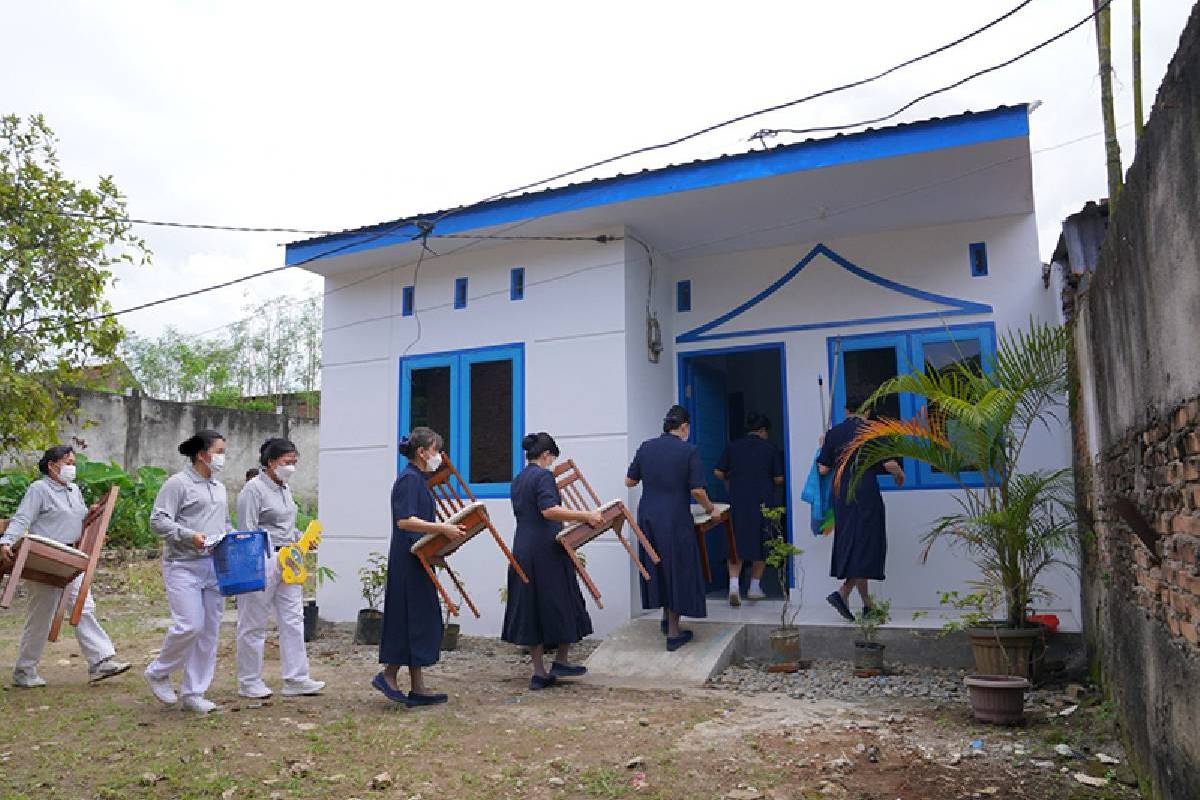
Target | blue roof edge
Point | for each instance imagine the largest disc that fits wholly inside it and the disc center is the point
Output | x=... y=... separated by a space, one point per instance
x=911 y=138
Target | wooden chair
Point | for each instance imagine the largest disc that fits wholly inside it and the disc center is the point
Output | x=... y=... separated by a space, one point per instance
x=43 y=560
x=453 y=508
x=703 y=523
x=575 y=535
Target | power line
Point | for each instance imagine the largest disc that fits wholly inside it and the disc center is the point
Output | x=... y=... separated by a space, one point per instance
x=827 y=128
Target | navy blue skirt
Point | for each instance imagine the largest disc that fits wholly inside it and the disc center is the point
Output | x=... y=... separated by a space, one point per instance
x=412 y=615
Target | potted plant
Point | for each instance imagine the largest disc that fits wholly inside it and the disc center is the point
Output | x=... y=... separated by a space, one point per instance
x=785 y=640
x=868 y=651
x=317 y=575
x=1013 y=522
x=373 y=577
x=450 y=630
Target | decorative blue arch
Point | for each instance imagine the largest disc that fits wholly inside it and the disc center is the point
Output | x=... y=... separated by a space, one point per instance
x=954 y=306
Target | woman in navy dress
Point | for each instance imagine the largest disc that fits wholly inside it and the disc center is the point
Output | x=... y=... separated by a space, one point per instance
x=860 y=530
x=752 y=467
x=671 y=475
x=549 y=610
x=412 y=615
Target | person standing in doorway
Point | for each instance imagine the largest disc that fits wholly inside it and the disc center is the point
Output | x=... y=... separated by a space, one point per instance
x=671 y=475
x=53 y=508
x=191 y=513
x=860 y=530
x=751 y=467
x=266 y=502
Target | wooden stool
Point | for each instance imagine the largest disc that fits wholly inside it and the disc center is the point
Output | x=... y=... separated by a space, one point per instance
x=454 y=509
x=703 y=523
x=615 y=513
x=53 y=563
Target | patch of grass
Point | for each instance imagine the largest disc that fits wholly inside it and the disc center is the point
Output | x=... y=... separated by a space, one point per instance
x=604 y=782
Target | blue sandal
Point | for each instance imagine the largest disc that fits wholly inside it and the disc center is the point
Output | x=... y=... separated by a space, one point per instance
x=395 y=695
x=676 y=642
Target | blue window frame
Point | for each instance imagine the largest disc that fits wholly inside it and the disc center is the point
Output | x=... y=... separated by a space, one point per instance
x=516 y=283
x=460 y=292
x=866 y=360
x=683 y=296
x=476 y=400
x=406 y=302
x=978 y=253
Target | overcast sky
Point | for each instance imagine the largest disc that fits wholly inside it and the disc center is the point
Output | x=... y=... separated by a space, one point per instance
x=333 y=115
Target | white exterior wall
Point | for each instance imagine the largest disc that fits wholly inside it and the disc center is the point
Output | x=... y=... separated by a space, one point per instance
x=574 y=334
x=929 y=259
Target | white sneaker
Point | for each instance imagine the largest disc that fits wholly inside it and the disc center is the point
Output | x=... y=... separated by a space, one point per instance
x=28 y=680
x=303 y=687
x=199 y=703
x=106 y=669
x=255 y=691
x=756 y=594
x=162 y=688
x=735 y=599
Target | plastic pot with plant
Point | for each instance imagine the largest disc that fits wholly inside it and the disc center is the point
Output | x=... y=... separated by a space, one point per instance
x=868 y=650
x=785 y=640
x=373 y=578
x=317 y=575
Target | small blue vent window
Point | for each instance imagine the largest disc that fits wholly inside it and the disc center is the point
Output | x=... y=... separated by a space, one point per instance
x=460 y=292
x=516 y=284
x=683 y=296
x=979 y=265
x=406 y=302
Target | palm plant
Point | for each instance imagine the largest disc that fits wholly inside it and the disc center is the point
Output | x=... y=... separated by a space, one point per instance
x=977 y=420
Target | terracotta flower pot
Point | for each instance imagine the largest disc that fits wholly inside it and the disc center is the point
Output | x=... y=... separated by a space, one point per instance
x=785 y=645
x=998 y=699
x=1008 y=651
x=369 y=628
x=868 y=657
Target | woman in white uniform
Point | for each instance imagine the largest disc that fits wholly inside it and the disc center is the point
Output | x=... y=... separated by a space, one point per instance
x=192 y=508
x=266 y=502
x=53 y=508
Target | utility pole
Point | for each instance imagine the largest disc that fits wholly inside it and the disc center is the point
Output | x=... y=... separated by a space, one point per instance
x=1137 y=69
x=1112 y=147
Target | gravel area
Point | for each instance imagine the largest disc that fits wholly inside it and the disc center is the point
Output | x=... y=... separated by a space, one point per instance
x=834 y=680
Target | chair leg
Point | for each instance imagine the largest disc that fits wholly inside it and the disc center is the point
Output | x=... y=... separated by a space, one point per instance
x=59 y=613
x=507 y=553
x=733 y=553
x=463 y=592
x=649 y=548
x=629 y=549
x=453 y=609
x=14 y=576
x=587 y=579
x=702 y=543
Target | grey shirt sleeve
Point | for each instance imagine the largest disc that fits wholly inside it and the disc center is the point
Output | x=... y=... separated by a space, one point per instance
x=247 y=508
x=26 y=513
x=166 y=511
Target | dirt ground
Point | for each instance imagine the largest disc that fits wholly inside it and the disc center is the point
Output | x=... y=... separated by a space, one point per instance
x=496 y=739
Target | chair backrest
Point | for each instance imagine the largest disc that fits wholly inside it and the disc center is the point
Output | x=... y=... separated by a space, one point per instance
x=568 y=478
x=95 y=524
x=445 y=485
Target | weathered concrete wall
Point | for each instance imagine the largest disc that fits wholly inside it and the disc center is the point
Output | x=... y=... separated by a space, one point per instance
x=1138 y=439
x=135 y=431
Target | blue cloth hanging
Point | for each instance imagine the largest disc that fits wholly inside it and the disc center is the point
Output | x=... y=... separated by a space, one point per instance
x=818 y=493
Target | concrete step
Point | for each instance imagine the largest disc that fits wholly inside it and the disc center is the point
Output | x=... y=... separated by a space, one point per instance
x=636 y=654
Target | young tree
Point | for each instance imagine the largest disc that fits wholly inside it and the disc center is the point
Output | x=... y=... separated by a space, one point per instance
x=58 y=241
x=1112 y=147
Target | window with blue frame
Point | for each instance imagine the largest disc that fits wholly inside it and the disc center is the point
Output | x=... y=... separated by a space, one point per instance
x=476 y=400
x=861 y=363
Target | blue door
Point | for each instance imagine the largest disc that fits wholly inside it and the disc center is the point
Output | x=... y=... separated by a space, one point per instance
x=709 y=422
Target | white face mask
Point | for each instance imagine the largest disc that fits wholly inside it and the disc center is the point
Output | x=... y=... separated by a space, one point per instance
x=284 y=472
x=433 y=463
x=218 y=462
x=66 y=473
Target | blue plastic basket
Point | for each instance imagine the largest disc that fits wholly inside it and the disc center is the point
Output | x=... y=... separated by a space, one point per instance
x=240 y=560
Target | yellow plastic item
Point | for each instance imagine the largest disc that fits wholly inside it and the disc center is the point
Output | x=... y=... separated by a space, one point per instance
x=291 y=558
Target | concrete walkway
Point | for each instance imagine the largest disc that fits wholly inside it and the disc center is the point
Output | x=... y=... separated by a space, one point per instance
x=636 y=654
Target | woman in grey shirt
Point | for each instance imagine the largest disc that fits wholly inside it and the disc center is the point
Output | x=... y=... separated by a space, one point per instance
x=190 y=512
x=266 y=502
x=53 y=508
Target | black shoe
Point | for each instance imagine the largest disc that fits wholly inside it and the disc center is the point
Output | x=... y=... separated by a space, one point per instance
x=676 y=642
x=537 y=682
x=415 y=699
x=395 y=695
x=834 y=599
x=559 y=670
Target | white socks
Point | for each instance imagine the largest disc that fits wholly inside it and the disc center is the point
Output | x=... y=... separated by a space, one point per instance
x=733 y=585
x=754 y=587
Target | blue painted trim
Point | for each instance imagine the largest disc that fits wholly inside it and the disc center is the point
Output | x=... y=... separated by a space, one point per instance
x=460 y=292
x=459 y=362
x=955 y=306
x=918 y=137
x=977 y=254
x=516 y=283
x=683 y=377
x=683 y=296
x=407 y=299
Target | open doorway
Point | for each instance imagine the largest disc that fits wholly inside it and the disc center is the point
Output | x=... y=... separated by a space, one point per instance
x=719 y=388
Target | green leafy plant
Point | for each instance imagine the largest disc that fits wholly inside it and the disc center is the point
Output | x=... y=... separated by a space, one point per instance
x=780 y=553
x=979 y=417
x=868 y=624
x=373 y=577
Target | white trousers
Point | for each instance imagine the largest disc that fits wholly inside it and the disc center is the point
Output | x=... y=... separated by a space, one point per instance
x=190 y=645
x=43 y=602
x=254 y=612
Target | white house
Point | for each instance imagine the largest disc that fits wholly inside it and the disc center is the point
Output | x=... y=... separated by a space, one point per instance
x=761 y=276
